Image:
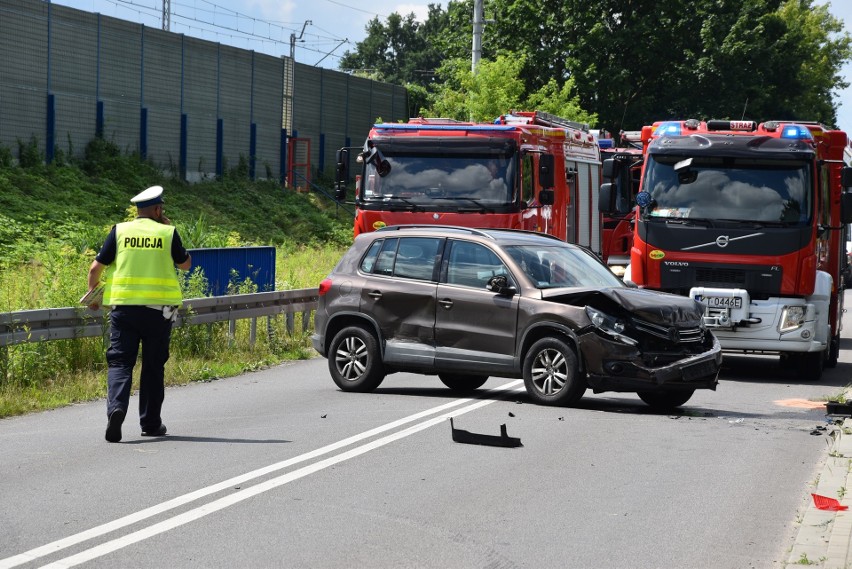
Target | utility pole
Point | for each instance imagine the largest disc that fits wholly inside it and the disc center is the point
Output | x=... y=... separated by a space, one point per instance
x=167 y=14
x=294 y=39
x=289 y=88
x=478 y=23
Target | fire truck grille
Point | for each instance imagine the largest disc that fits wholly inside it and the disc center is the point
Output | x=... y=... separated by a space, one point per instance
x=720 y=277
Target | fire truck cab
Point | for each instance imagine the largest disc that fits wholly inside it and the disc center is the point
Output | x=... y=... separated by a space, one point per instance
x=750 y=220
x=526 y=170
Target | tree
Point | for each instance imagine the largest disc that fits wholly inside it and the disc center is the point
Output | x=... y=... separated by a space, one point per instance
x=400 y=51
x=497 y=89
x=629 y=62
x=769 y=59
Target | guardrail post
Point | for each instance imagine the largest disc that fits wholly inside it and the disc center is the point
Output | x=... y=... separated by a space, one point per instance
x=289 y=320
x=253 y=332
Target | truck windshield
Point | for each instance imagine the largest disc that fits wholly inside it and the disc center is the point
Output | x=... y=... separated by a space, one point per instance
x=732 y=189
x=424 y=180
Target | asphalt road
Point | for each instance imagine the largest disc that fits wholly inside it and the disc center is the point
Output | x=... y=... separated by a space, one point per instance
x=278 y=468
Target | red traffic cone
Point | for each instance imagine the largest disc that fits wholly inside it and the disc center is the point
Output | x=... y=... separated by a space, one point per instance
x=826 y=503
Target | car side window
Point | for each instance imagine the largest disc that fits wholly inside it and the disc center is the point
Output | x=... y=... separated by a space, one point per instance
x=369 y=260
x=416 y=257
x=384 y=262
x=472 y=264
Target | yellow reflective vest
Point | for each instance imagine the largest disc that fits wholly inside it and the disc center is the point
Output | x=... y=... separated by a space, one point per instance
x=143 y=272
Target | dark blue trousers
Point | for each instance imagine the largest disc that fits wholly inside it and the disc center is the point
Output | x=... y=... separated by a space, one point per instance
x=130 y=326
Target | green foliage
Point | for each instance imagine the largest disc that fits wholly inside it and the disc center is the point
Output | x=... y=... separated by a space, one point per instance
x=560 y=101
x=489 y=93
x=631 y=63
x=497 y=88
x=29 y=155
x=55 y=218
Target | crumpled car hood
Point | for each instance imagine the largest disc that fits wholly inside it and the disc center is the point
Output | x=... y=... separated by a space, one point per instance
x=656 y=307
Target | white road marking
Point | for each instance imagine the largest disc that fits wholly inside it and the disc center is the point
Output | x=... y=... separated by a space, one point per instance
x=232 y=499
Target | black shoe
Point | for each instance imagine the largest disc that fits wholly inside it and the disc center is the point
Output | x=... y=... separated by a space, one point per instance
x=113 y=430
x=158 y=432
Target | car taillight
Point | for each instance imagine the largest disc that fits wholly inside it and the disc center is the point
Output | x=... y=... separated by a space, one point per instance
x=324 y=286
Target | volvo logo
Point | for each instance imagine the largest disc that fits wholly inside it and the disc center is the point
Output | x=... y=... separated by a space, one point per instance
x=722 y=241
x=674 y=335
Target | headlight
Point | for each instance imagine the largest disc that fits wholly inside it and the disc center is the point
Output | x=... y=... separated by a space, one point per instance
x=791 y=318
x=609 y=325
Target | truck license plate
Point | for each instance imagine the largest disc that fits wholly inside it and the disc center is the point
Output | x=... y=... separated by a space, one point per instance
x=722 y=302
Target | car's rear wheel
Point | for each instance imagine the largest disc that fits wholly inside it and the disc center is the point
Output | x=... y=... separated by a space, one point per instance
x=460 y=382
x=665 y=400
x=355 y=361
x=551 y=373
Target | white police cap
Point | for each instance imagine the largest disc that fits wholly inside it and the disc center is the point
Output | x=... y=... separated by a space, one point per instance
x=148 y=197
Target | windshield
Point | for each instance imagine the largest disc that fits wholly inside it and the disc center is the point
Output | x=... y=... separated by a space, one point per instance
x=561 y=266
x=423 y=180
x=732 y=189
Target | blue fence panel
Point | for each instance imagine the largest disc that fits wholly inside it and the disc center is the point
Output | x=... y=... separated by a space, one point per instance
x=226 y=265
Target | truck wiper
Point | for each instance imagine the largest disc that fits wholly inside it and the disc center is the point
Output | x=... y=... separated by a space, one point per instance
x=478 y=204
x=689 y=221
x=387 y=197
x=758 y=223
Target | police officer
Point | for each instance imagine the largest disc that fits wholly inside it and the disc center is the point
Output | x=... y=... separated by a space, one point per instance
x=143 y=290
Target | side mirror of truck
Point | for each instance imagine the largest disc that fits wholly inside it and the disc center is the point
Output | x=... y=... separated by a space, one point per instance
x=846 y=177
x=606 y=198
x=546 y=196
x=341 y=174
x=609 y=168
x=614 y=199
x=545 y=171
x=846 y=207
x=376 y=158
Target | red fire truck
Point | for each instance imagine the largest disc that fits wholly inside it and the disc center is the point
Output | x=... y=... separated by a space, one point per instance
x=617 y=234
x=749 y=220
x=526 y=170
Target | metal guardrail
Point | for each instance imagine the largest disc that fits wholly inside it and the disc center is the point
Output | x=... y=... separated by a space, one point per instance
x=47 y=324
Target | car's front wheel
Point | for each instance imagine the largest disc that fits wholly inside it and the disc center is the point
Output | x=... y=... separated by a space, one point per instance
x=551 y=373
x=463 y=383
x=666 y=400
x=355 y=361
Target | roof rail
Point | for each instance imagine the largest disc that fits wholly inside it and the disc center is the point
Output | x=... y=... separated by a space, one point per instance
x=458 y=228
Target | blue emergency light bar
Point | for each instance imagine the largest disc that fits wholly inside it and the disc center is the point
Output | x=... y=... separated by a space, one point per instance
x=606 y=143
x=668 y=129
x=796 y=132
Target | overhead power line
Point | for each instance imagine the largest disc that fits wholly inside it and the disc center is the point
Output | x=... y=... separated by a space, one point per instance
x=206 y=18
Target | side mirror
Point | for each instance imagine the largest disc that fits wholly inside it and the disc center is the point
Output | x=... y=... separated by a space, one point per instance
x=546 y=197
x=375 y=157
x=499 y=284
x=846 y=207
x=846 y=177
x=606 y=198
x=609 y=168
x=341 y=174
x=545 y=170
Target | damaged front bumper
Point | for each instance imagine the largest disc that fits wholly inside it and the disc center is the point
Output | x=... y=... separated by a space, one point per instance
x=613 y=366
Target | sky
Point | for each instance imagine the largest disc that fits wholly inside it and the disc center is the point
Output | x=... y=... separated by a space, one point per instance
x=335 y=25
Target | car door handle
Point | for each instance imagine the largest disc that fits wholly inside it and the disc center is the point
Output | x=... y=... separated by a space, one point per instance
x=446 y=303
x=376 y=294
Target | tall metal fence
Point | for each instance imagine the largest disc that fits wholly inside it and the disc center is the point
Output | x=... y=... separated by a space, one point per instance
x=193 y=107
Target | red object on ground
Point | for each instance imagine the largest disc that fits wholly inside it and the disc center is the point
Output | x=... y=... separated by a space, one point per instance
x=825 y=503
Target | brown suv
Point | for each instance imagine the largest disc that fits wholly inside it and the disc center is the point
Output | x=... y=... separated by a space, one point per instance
x=467 y=304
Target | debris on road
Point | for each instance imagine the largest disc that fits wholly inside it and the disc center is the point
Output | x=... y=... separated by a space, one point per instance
x=466 y=437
